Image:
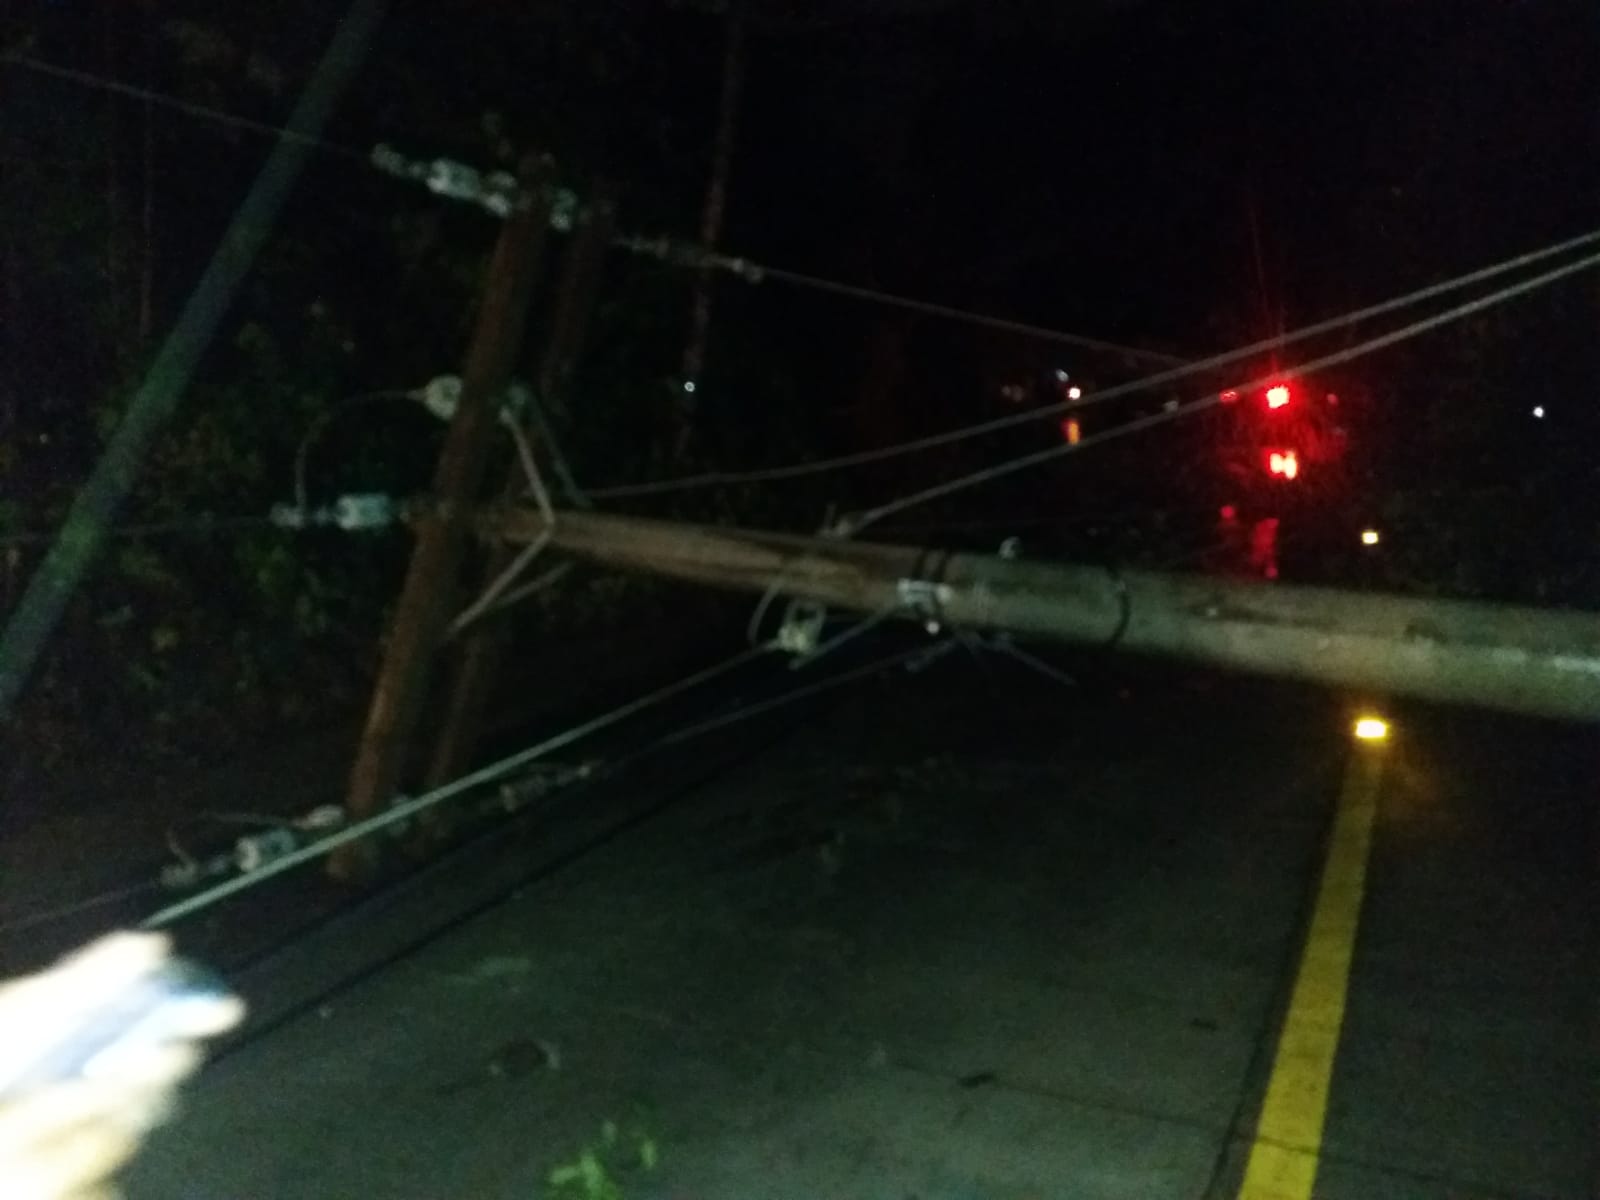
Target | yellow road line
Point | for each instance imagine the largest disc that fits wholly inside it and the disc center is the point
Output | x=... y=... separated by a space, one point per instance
x=1283 y=1159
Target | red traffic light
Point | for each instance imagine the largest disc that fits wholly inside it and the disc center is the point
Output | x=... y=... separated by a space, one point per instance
x=1278 y=395
x=1283 y=464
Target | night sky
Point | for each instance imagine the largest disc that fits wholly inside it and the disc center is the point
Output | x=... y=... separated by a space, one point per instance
x=1116 y=164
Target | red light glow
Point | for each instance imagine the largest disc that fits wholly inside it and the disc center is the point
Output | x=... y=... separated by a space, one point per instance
x=1229 y=396
x=1072 y=431
x=1228 y=512
x=1285 y=464
x=1277 y=396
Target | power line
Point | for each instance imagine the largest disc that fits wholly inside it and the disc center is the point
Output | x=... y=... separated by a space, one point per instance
x=703 y=258
x=202 y=524
x=677 y=253
x=747 y=712
x=666 y=741
x=203 y=112
x=1057 y=521
x=1011 y=466
x=494 y=191
x=409 y=808
x=983 y=320
x=61 y=912
x=1027 y=416
x=406 y=809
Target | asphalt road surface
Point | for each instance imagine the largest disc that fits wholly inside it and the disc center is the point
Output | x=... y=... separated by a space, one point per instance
x=967 y=934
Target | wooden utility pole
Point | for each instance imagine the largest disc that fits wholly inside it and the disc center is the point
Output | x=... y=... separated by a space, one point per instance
x=1526 y=660
x=484 y=641
x=442 y=537
x=712 y=211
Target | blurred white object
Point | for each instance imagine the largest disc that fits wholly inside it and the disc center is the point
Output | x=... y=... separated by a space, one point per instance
x=95 y=1047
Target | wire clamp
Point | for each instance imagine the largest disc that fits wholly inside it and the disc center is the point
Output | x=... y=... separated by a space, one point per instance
x=258 y=849
x=360 y=512
x=926 y=599
x=366 y=511
x=687 y=254
x=543 y=780
x=498 y=193
x=741 y=268
x=321 y=818
x=802 y=627
x=441 y=396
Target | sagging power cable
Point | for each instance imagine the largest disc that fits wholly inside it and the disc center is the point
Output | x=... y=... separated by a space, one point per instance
x=1011 y=466
x=911 y=658
x=498 y=193
x=201 y=524
x=75 y=908
x=745 y=712
x=188 y=108
x=407 y=809
x=692 y=257
x=1146 y=383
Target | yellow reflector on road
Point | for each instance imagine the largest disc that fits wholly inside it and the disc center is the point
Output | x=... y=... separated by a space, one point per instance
x=1372 y=729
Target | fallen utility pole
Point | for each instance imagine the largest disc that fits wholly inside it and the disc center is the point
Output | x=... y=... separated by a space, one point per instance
x=1525 y=660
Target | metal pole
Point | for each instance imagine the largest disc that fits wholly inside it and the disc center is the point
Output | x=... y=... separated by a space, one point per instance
x=442 y=538
x=59 y=575
x=1527 y=660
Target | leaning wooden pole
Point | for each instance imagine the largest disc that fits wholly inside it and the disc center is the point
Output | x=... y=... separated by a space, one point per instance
x=712 y=211
x=483 y=642
x=1527 y=660
x=430 y=586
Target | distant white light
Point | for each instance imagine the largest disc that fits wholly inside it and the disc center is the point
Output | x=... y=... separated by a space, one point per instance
x=1074 y=393
x=1538 y=411
x=1370 y=537
x=688 y=385
x=1061 y=376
